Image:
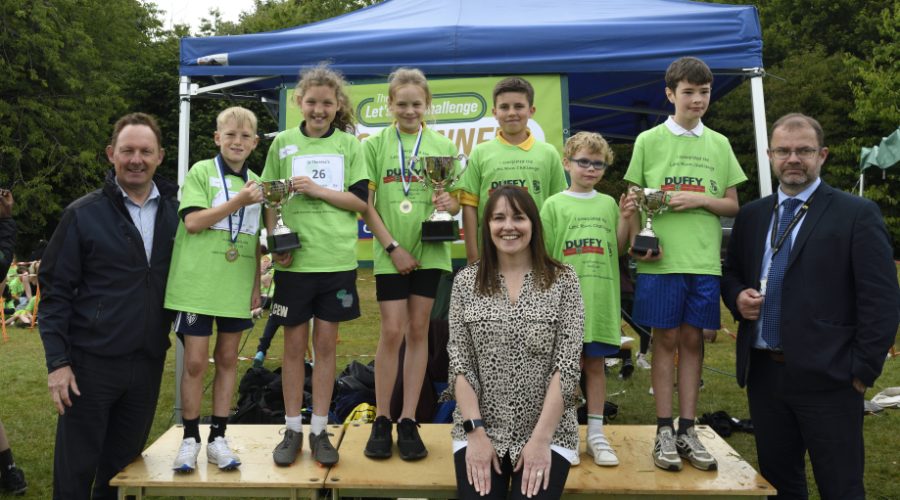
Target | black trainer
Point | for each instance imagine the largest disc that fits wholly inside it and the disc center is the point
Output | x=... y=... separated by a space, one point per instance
x=13 y=481
x=380 y=442
x=408 y=441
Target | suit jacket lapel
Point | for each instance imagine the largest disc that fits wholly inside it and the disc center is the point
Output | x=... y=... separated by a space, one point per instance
x=818 y=207
x=759 y=241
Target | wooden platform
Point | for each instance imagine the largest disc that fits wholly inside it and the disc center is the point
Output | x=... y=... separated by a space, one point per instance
x=433 y=477
x=258 y=476
x=634 y=477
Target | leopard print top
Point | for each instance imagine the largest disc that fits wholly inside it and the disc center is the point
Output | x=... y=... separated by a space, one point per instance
x=508 y=353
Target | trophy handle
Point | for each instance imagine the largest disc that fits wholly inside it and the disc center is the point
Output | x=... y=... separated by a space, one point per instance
x=464 y=160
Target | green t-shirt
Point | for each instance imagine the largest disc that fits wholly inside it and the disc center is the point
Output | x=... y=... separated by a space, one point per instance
x=327 y=233
x=580 y=231
x=495 y=163
x=383 y=161
x=201 y=280
x=691 y=239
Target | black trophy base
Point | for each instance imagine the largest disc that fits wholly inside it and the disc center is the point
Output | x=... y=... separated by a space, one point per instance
x=644 y=243
x=440 y=230
x=281 y=243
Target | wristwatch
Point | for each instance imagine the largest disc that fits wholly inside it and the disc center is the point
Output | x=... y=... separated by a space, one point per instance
x=470 y=425
x=393 y=246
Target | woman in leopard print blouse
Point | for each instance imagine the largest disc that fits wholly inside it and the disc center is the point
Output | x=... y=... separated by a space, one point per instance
x=516 y=321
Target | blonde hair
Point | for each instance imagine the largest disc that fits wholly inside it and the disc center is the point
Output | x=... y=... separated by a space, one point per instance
x=592 y=142
x=240 y=116
x=323 y=76
x=408 y=76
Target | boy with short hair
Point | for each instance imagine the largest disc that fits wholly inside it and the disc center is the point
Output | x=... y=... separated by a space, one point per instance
x=515 y=156
x=677 y=291
x=215 y=277
x=588 y=230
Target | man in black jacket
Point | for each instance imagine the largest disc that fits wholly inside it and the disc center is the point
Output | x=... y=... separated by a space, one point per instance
x=105 y=332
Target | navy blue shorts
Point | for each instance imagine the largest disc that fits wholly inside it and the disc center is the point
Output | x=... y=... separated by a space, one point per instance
x=670 y=300
x=599 y=349
x=201 y=325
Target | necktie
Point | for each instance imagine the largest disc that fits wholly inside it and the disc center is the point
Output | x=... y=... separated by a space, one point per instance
x=771 y=314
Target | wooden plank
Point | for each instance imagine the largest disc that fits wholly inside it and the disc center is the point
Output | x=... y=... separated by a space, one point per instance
x=636 y=474
x=434 y=473
x=252 y=443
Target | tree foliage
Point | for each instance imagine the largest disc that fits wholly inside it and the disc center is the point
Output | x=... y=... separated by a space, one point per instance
x=69 y=68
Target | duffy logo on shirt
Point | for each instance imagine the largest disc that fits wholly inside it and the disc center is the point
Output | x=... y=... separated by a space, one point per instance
x=393 y=175
x=522 y=183
x=583 y=245
x=683 y=183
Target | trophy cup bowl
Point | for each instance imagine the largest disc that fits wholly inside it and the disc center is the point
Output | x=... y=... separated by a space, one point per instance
x=652 y=202
x=438 y=173
x=275 y=193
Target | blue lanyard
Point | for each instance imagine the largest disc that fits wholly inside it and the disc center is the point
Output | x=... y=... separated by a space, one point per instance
x=406 y=180
x=233 y=234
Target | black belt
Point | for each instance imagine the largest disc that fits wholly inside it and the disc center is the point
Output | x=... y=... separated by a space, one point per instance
x=776 y=356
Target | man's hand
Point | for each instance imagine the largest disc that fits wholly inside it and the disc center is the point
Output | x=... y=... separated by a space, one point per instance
x=859 y=385
x=6 y=203
x=60 y=382
x=749 y=302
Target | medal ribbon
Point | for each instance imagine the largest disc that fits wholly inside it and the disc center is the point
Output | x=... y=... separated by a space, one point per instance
x=234 y=232
x=406 y=180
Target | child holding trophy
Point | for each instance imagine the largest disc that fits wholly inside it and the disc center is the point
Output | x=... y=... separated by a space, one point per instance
x=587 y=230
x=325 y=165
x=677 y=289
x=407 y=270
x=216 y=249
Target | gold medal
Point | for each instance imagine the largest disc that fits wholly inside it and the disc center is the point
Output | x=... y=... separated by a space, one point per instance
x=406 y=206
x=231 y=254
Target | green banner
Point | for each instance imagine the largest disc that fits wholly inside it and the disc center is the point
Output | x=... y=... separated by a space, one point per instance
x=460 y=110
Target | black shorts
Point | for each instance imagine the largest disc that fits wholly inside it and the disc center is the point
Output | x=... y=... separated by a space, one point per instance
x=422 y=282
x=327 y=296
x=201 y=325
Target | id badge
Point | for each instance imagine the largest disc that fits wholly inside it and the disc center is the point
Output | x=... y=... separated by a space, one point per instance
x=325 y=170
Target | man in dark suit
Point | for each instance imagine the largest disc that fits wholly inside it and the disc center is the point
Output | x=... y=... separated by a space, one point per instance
x=814 y=287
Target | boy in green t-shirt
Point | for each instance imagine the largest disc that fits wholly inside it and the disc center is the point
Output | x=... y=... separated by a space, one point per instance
x=587 y=230
x=215 y=277
x=514 y=157
x=677 y=290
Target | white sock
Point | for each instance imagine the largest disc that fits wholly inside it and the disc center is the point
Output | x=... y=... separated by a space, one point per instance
x=294 y=423
x=317 y=423
x=594 y=424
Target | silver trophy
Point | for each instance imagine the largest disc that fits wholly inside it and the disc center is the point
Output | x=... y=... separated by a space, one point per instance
x=275 y=194
x=652 y=202
x=438 y=173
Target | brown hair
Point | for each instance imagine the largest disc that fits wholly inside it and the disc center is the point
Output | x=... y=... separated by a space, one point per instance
x=408 y=76
x=793 y=121
x=324 y=76
x=544 y=267
x=514 y=84
x=689 y=69
x=591 y=142
x=136 y=119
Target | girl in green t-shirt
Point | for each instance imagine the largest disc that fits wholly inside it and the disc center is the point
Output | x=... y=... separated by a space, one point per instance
x=407 y=271
x=317 y=281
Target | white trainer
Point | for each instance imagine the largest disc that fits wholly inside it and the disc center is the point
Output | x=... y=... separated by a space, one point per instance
x=186 y=460
x=642 y=361
x=218 y=452
x=599 y=448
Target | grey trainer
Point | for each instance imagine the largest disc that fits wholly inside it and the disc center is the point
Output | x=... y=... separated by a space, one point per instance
x=289 y=447
x=322 y=450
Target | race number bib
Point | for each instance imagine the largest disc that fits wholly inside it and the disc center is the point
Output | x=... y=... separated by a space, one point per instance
x=325 y=170
x=250 y=225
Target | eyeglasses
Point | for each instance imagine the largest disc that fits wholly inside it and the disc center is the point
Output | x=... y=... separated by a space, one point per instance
x=585 y=163
x=802 y=153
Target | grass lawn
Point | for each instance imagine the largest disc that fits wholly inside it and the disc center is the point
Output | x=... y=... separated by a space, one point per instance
x=30 y=420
